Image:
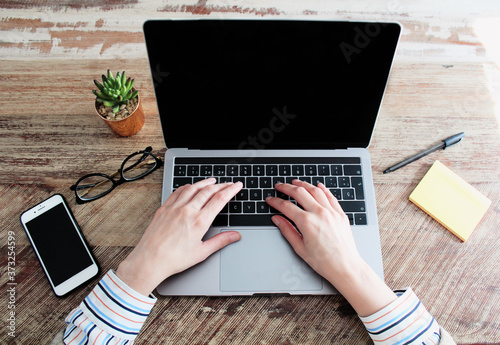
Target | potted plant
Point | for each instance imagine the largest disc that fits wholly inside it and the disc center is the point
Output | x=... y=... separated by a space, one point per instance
x=118 y=103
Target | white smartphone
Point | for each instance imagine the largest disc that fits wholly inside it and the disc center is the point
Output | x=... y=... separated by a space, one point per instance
x=59 y=244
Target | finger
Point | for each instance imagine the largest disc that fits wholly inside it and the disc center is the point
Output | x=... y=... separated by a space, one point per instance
x=175 y=195
x=290 y=233
x=318 y=195
x=188 y=192
x=216 y=202
x=300 y=193
x=218 y=242
x=286 y=207
x=331 y=198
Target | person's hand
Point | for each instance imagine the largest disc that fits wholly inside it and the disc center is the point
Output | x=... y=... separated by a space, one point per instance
x=325 y=240
x=173 y=240
x=326 y=243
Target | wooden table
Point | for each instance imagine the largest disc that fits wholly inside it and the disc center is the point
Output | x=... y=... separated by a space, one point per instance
x=445 y=80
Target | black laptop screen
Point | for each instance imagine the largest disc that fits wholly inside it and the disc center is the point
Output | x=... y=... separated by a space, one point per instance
x=269 y=84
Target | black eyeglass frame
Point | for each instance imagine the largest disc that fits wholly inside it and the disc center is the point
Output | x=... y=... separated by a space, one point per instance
x=115 y=183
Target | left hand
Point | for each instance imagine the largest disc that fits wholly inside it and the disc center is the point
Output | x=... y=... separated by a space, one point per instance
x=173 y=240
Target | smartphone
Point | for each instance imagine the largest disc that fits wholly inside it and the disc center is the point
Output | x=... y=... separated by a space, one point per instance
x=59 y=244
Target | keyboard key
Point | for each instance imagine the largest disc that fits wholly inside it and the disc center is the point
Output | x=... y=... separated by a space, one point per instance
x=305 y=179
x=206 y=170
x=245 y=170
x=353 y=206
x=197 y=179
x=250 y=220
x=323 y=170
x=239 y=179
x=348 y=194
x=219 y=170
x=352 y=170
x=289 y=179
x=258 y=170
x=252 y=182
x=193 y=170
x=311 y=170
x=248 y=207
x=180 y=170
x=344 y=182
x=360 y=218
x=262 y=207
x=225 y=179
x=285 y=170
x=297 y=170
x=181 y=181
x=317 y=179
x=265 y=182
x=330 y=181
x=267 y=193
x=232 y=170
x=255 y=194
x=271 y=170
x=242 y=194
x=235 y=207
x=278 y=179
x=336 y=169
x=282 y=195
x=357 y=183
x=336 y=193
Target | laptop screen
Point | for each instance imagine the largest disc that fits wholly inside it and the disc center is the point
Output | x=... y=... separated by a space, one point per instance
x=269 y=84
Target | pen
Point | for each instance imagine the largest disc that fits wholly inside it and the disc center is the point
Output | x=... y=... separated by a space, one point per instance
x=442 y=145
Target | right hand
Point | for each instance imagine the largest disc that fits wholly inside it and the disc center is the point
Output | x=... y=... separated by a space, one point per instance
x=325 y=240
x=326 y=243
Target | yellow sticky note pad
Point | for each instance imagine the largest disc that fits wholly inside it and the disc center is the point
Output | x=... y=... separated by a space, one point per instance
x=450 y=200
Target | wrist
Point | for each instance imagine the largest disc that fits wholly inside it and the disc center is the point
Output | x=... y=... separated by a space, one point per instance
x=363 y=288
x=135 y=277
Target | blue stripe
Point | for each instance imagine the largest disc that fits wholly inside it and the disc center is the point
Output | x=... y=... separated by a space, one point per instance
x=76 y=316
x=87 y=333
x=72 y=321
x=420 y=334
x=405 y=341
x=135 y=310
x=110 y=322
x=110 y=337
x=69 y=330
x=372 y=331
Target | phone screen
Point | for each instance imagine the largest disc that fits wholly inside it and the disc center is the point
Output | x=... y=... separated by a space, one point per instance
x=59 y=244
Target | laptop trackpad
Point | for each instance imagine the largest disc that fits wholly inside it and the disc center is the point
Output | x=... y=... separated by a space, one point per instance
x=264 y=261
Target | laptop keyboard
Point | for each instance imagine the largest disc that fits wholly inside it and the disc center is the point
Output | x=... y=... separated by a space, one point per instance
x=342 y=176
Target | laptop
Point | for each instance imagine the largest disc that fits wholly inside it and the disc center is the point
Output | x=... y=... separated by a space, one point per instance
x=266 y=101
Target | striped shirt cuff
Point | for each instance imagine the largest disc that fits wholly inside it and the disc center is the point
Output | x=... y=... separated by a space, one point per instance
x=404 y=321
x=111 y=310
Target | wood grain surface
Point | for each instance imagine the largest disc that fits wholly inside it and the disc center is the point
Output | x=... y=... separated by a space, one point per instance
x=445 y=79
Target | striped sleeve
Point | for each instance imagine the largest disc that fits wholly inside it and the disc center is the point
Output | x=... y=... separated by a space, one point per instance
x=404 y=321
x=112 y=313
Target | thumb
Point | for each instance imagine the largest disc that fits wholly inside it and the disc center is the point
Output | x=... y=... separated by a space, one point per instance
x=291 y=234
x=219 y=241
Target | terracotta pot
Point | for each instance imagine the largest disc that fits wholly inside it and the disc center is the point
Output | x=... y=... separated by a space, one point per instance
x=128 y=126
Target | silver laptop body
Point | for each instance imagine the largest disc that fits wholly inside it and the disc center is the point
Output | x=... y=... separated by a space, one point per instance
x=262 y=101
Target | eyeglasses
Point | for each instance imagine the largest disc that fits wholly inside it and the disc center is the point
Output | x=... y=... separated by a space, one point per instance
x=94 y=186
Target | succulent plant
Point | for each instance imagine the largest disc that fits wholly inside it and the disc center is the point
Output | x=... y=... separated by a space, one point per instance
x=115 y=91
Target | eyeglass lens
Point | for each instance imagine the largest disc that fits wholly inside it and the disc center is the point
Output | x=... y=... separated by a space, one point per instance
x=93 y=186
x=138 y=165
